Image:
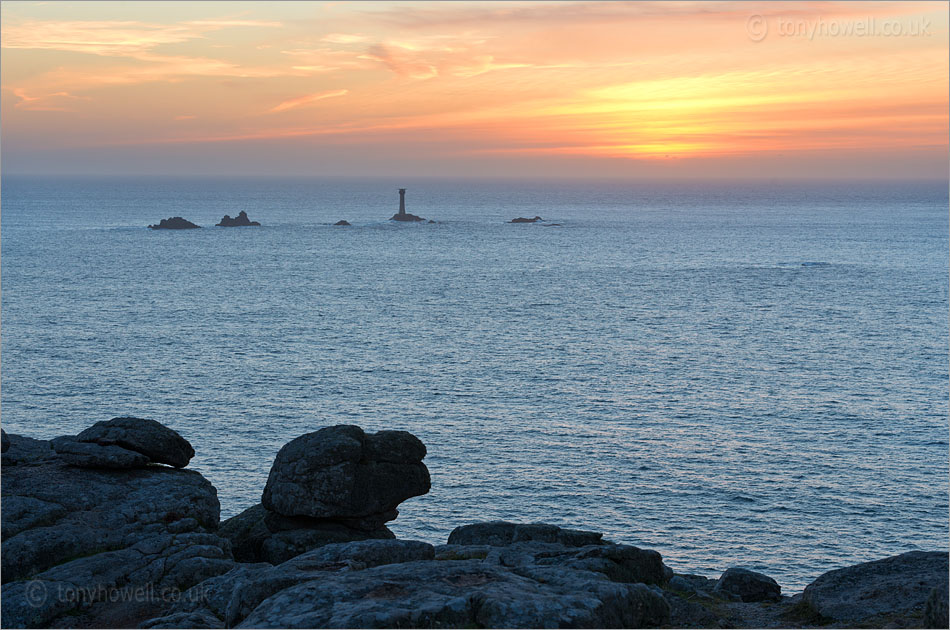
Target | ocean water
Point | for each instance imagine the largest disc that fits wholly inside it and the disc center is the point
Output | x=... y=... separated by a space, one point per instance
x=732 y=374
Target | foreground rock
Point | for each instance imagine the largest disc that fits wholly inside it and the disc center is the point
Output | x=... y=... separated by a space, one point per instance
x=148 y=437
x=747 y=586
x=341 y=472
x=896 y=589
x=88 y=455
x=79 y=541
x=526 y=220
x=394 y=583
x=174 y=223
x=501 y=533
x=89 y=542
x=334 y=485
x=259 y=535
x=240 y=220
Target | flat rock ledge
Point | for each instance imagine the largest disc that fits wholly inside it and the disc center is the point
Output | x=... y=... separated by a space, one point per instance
x=103 y=544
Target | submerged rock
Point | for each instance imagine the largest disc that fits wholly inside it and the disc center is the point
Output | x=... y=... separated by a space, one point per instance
x=525 y=220
x=152 y=439
x=240 y=220
x=896 y=586
x=747 y=586
x=174 y=223
x=341 y=472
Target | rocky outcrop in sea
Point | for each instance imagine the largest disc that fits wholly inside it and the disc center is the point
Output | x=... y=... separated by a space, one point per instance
x=526 y=220
x=410 y=218
x=240 y=220
x=108 y=528
x=174 y=223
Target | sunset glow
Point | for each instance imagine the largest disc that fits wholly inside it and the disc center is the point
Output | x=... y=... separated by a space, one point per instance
x=328 y=88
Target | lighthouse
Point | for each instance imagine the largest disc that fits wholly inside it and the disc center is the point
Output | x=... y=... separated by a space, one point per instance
x=402 y=215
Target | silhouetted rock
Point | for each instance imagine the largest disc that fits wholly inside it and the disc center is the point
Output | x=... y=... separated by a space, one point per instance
x=341 y=472
x=152 y=439
x=936 y=607
x=240 y=220
x=5 y=441
x=74 y=537
x=899 y=585
x=501 y=533
x=747 y=586
x=259 y=535
x=405 y=217
x=91 y=455
x=342 y=222
x=26 y=450
x=397 y=584
x=524 y=220
x=174 y=223
x=335 y=485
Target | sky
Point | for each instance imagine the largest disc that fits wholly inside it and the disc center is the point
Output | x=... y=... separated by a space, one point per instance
x=486 y=89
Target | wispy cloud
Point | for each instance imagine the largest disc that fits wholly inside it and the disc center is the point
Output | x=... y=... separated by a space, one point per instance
x=50 y=102
x=110 y=38
x=307 y=99
x=345 y=38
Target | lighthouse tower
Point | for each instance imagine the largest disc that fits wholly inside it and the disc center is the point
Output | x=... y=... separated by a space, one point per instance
x=402 y=215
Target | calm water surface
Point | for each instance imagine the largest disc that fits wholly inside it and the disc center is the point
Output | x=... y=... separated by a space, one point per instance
x=732 y=374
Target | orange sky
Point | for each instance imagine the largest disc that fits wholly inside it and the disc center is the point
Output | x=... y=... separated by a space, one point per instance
x=667 y=89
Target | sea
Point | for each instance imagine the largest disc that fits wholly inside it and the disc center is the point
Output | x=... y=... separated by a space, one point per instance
x=732 y=373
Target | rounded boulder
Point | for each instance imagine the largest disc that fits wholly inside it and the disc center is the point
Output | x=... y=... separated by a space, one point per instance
x=341 y=472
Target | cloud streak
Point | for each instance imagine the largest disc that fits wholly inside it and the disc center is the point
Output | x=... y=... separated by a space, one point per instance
x=307 y=99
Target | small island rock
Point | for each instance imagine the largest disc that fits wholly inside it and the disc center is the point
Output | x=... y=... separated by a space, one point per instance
x=406 y=217
x=525 y=220
x=174 y=223
x=240 y=220
x=342 y=222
